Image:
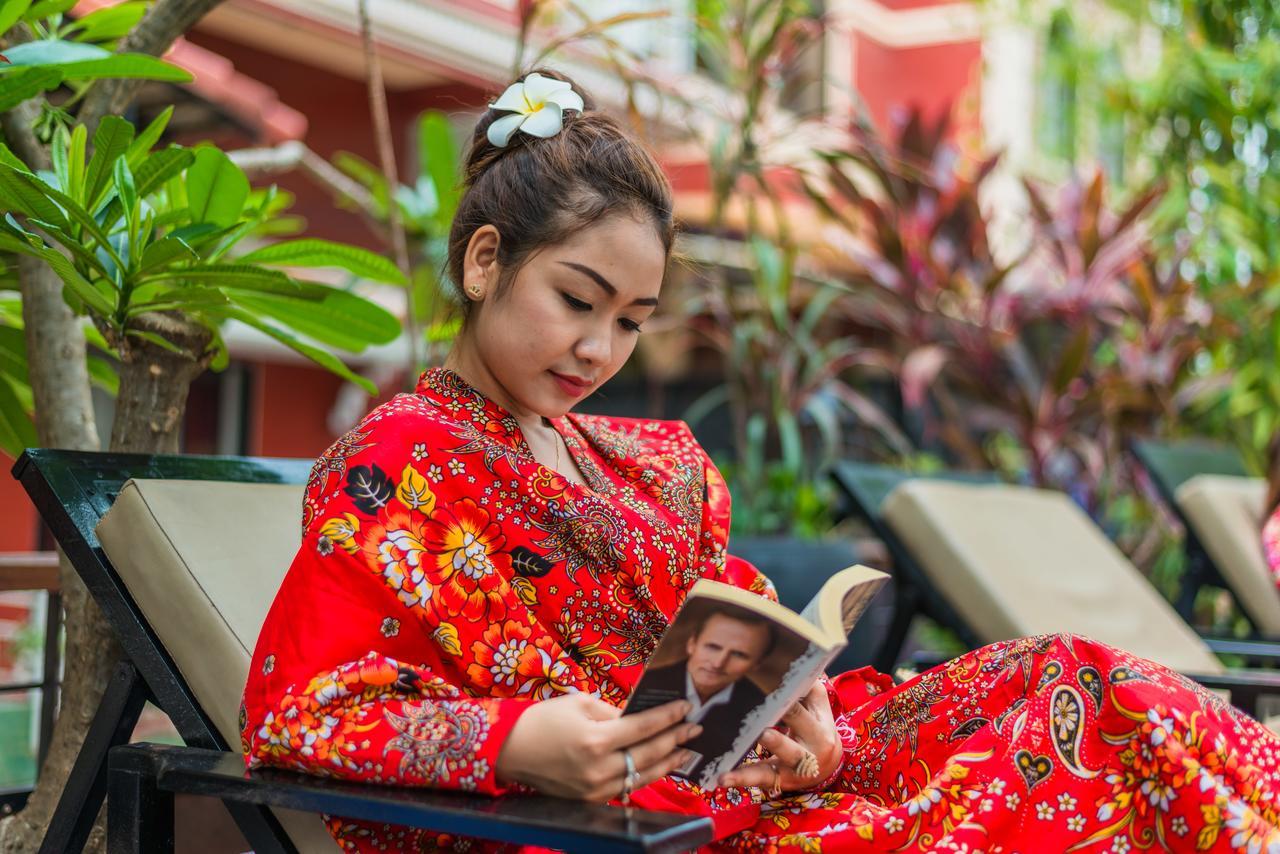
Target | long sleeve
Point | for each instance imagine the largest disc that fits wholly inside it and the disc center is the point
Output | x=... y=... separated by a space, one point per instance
x=387 y=624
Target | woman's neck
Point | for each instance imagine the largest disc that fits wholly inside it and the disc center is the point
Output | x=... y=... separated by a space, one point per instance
x=473 y=371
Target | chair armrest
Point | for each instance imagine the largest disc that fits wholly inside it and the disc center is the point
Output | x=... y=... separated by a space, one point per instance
x=1248 y=687
x=533 y=820
x=1261 y=649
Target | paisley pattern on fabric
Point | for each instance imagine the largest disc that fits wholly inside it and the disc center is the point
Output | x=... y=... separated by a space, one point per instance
x=446 y=580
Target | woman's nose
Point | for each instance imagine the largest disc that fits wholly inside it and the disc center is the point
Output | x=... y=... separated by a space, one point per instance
x=594 y=349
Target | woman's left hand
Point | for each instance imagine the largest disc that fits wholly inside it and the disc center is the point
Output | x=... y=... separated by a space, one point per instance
x=812 y=729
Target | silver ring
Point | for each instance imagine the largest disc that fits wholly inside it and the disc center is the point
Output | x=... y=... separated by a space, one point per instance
x=629 y=778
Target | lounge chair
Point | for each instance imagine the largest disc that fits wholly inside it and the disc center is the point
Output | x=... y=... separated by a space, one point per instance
x=994 y=561
x=184 y=554
x=1220 y=506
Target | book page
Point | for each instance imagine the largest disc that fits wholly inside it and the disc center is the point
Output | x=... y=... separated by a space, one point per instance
x=843 y=599
x=738 y=668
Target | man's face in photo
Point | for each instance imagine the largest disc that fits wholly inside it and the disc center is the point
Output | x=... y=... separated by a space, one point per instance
x=723 y=652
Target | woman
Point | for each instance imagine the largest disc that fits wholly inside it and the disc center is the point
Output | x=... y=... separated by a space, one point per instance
x=484 y=573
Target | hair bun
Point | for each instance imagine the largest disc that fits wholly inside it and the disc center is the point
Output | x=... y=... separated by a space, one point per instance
x=483 y=152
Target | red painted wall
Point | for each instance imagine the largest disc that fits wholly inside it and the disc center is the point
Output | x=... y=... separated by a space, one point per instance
x=935 y=78
x=20 y=530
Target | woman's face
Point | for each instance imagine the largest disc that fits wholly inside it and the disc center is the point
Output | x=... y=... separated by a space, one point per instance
x=567 y=322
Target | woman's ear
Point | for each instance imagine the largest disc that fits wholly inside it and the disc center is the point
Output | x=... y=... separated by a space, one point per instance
x=480 y=262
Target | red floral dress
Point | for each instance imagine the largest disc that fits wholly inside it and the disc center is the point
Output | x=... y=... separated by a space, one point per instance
x=446 y=580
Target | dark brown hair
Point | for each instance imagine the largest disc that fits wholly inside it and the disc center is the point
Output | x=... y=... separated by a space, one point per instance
x=537 y=192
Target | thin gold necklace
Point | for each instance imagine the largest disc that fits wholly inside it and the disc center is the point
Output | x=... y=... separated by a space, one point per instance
x=547 y=423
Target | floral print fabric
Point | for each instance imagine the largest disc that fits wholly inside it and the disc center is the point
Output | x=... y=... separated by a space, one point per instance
x=446 y=580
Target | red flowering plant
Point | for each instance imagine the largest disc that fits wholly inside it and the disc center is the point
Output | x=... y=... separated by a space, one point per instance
x=1040 y=366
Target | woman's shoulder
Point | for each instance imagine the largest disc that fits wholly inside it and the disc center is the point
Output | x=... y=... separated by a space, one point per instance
x=404 y=420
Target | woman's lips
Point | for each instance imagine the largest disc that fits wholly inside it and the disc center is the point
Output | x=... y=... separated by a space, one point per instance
x=570 y=385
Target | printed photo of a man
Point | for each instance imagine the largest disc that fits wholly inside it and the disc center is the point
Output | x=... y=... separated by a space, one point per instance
x=714 y=677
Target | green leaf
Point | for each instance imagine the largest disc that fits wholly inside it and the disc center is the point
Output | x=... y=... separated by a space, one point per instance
x=8 y=158
x=188 y=299
x=325 y=253
x=47 y=9
x=221 y=357
x=58 y=154
x=159 y=167
x=78 y=285
x=17 y=431
x=242 y=277
x=11 y=11
x=141 y=146
x=53 y=52
x=132 y=66
x=438 y=158
x=158 y=340
x=94 y=338
x=82 y=217
x=77 y=248
x=13 y=352
x=75 y=163
x=164 y=252
x=27 y=194
x=23 y=83
x=321 y=357
x=103 y=374
x=110 y=140
x=341 y=319
x=110 y=23
x=216 y=187
x=125 y=189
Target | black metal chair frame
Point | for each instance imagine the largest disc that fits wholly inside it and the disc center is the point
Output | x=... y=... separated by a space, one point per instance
x=1170 y=465
x=72 y=490
x=867 y=486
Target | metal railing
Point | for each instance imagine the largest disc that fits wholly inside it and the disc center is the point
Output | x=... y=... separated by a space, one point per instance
x=36 y=571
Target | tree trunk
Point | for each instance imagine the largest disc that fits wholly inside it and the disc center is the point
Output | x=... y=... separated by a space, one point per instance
x=64 y=419
x=154 y=382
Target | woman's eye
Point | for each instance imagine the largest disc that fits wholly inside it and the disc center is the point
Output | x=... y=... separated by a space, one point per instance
x=576 y=304
x=629 y=325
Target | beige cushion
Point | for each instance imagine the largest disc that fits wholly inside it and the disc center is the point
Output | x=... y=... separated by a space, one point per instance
x=1015 y=561
x=1225 y=514
x=203 y=560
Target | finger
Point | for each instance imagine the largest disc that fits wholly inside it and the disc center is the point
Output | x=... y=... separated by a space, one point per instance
x=661 y=746
x=630 y=729
x=667 y=765
x=762 y=775
x=787 y=750
x=596 y=709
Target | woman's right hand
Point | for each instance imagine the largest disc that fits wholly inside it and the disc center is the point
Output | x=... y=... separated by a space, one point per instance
x=571 y=746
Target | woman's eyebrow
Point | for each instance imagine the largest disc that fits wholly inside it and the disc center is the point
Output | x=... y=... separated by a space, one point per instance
x=604 y=283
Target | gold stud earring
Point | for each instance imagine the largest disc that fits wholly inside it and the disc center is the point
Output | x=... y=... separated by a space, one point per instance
x=476 y=291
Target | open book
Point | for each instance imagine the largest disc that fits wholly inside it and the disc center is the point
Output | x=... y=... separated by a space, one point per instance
x=742 y=661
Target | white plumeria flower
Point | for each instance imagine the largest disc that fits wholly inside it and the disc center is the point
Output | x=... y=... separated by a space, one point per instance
x=537 y=105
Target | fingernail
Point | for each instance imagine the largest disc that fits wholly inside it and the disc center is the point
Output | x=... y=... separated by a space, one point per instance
x=695 y=730
x=685 y=707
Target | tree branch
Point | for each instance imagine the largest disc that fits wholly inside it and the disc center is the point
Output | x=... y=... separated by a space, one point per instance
x=387 y=154
x=18 y=123
x=163 y=23
x=288 y=156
